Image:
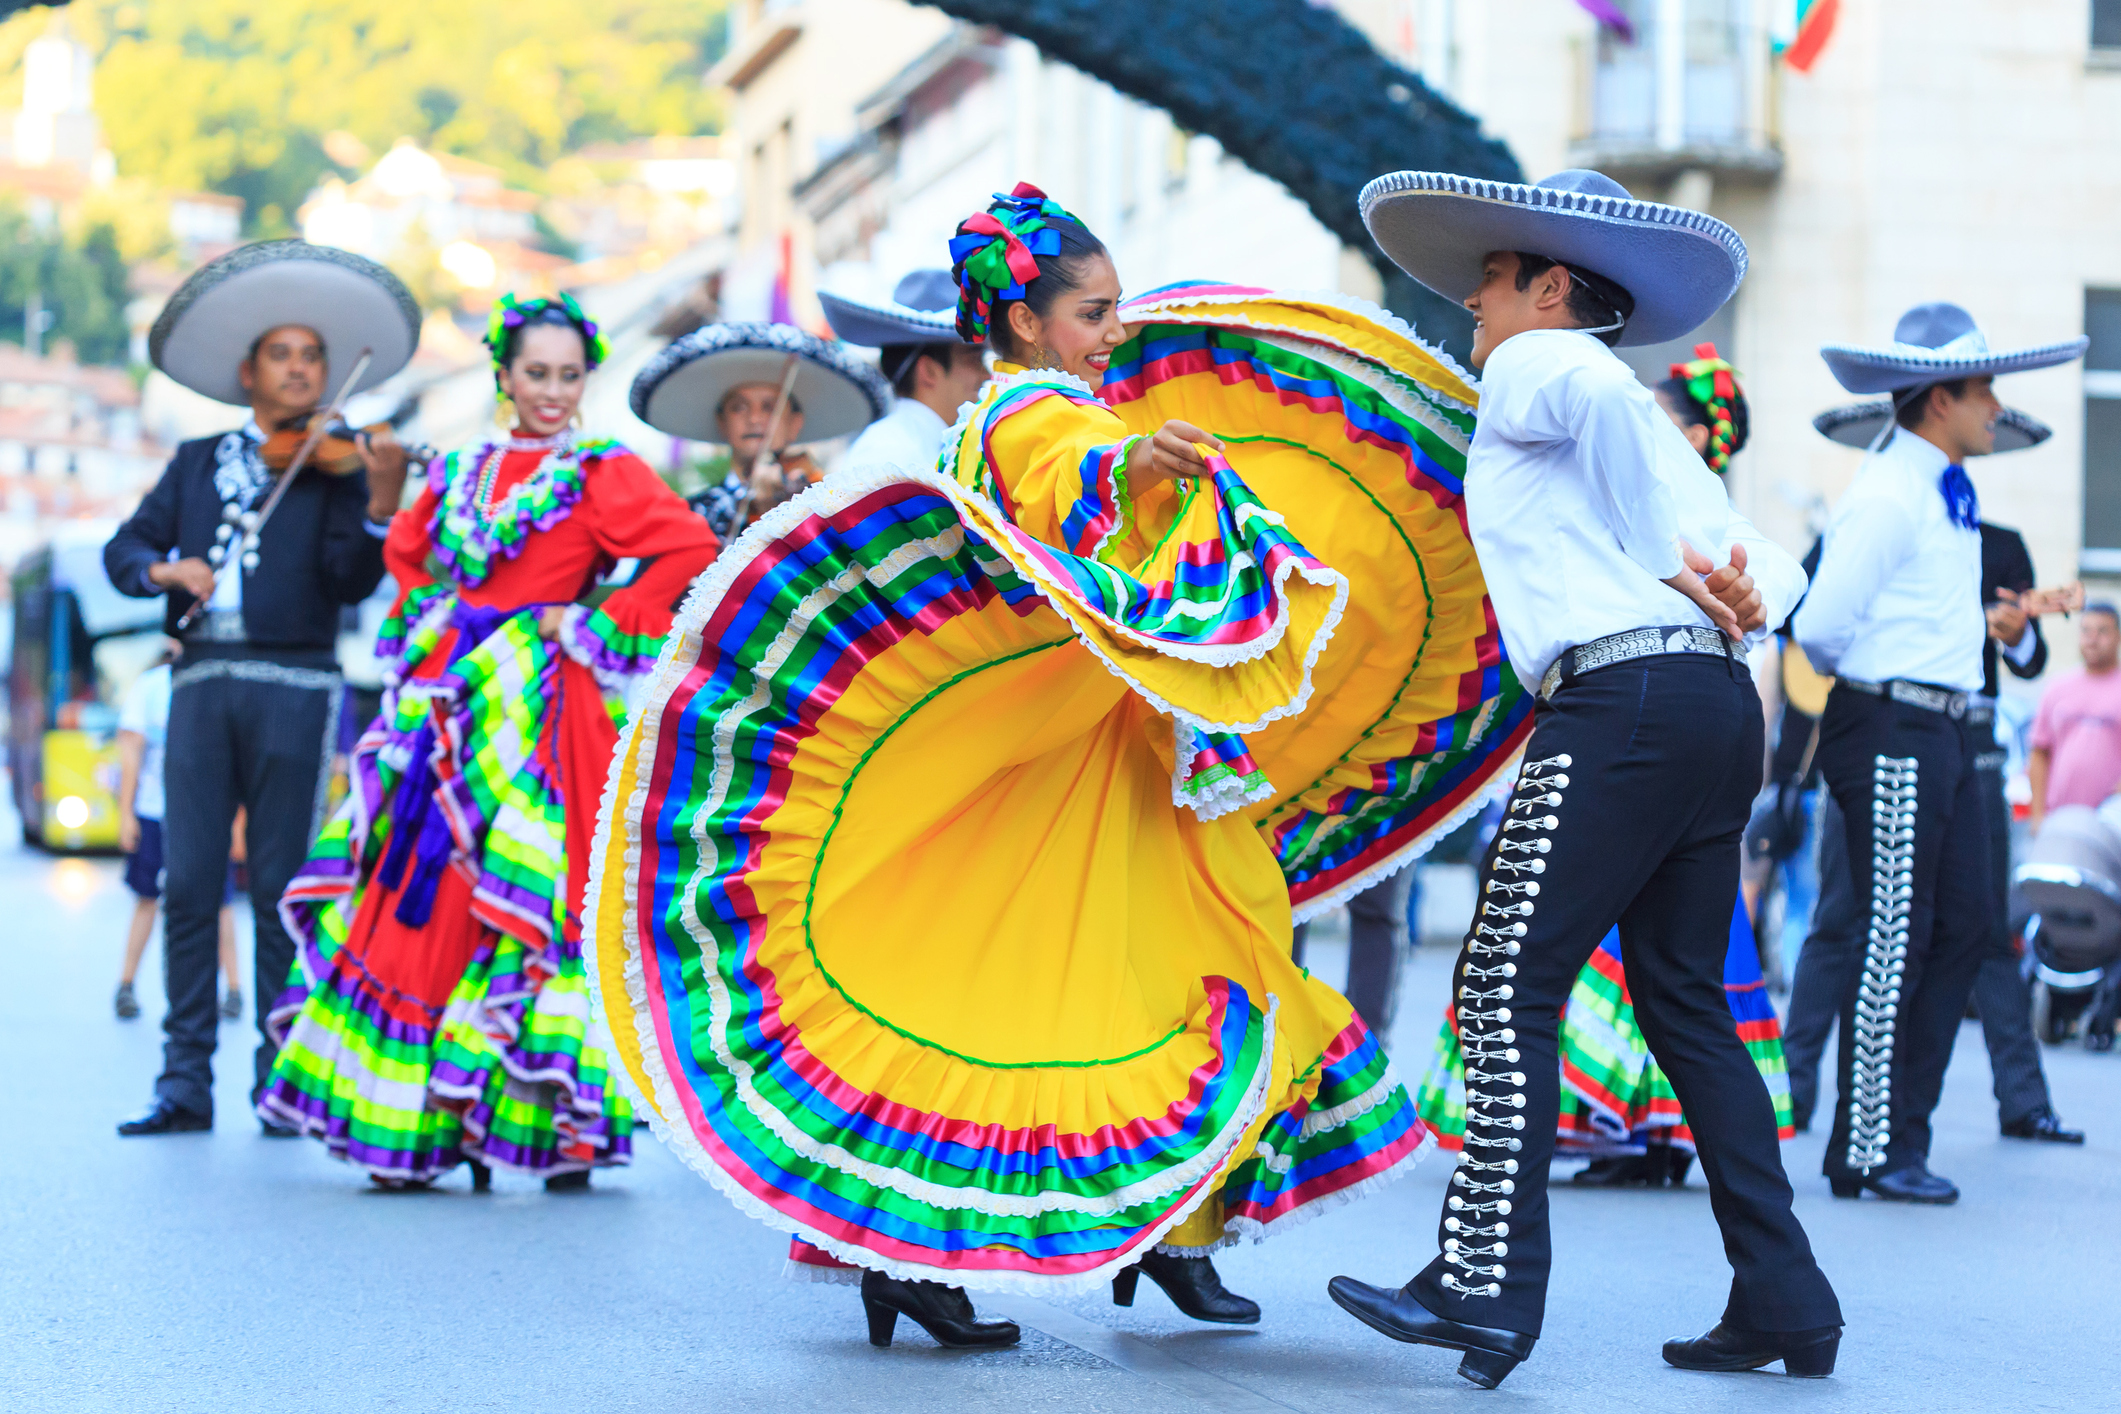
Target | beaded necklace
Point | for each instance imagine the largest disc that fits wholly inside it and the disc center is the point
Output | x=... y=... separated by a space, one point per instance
x=472 y=529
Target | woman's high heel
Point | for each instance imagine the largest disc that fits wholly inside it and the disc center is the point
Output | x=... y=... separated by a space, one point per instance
x=1193 y=1285
x=481 y=1177
x=945 y=1312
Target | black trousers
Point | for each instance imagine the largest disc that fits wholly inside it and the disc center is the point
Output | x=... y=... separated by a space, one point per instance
x=1375 y=948
x=242 y=732
x=1833 y=954
x=1634 y=794
x=1917 y=831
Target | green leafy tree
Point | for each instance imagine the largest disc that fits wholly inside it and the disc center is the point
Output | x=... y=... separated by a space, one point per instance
x=81 y=285
x=236 y=97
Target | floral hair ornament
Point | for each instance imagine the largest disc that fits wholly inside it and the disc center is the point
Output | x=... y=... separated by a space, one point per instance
x=509 y=314
x=1713 y=383
x=995 y=254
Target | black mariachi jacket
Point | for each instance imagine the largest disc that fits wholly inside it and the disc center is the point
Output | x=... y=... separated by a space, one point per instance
x=314 y=555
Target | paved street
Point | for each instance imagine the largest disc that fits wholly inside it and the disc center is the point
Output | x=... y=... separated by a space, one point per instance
x=226 y=1272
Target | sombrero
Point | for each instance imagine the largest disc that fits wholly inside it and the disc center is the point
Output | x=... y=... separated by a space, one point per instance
x=1679 y=265
x=1858 y=425
x=922 y=310
x=1931 y=344
x=681 y=388
x=351 y=302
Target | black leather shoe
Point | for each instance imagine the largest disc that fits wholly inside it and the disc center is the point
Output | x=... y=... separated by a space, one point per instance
x=1490 y=1354
x=1623 y=1171
x=574 y=1181
x=1809 y=1355
x=162 y=1117
x=2042 y=1125
x=1193 y=1285
x=945 y=1312
x=1912 y=1184
x=273 y=1130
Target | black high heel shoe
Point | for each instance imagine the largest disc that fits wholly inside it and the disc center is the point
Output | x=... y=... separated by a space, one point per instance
x=576 y=1181
x=481 y=1176
x=1807 y=1355
x=945 y=1312
x=1193 y=1285
x=1487 y=1354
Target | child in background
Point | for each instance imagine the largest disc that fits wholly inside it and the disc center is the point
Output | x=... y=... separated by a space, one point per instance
x=143 y=723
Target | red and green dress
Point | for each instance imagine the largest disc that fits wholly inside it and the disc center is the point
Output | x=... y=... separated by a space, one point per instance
x=1615 y=1098
x=437 y=1009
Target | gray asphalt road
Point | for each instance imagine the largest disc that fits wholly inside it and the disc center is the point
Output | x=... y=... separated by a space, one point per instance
x=226 y=1272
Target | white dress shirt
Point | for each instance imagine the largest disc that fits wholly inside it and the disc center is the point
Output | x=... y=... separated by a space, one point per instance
x=909 y=437
x=1578 y=492
x=1898 y=593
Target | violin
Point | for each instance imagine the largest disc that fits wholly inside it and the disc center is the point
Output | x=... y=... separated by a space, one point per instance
x=337 y=453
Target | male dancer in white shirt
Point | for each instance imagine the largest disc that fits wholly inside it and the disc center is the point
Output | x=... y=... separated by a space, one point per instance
x=1596 y=524
x=1896 y=616
x=931 y=371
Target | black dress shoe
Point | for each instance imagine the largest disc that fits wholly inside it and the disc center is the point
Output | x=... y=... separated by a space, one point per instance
x=1809 y=1355
x=2042 y=1125
x=1623 y=1171
x=945 y=1312
x=272 y=1129
x=1912 y=1184
x=574 y=1181
x=162 y=1117
x=1490 y=1353
x=1193 y=1285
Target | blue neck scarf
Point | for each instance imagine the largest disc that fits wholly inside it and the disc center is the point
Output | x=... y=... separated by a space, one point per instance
x=1960 y=502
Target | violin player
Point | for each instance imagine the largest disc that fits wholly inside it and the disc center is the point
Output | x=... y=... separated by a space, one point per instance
x=275 y=327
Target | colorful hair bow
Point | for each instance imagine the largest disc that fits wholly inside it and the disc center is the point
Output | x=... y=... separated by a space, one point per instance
x=995 y=254
x=1713 y=383
x=511 y=313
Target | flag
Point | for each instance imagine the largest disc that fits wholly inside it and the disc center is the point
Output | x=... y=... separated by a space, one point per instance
x=1611 y=16
x=783 y=307
x=1802 y=30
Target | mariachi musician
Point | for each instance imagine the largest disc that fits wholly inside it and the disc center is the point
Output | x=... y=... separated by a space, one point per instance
x=274 y=327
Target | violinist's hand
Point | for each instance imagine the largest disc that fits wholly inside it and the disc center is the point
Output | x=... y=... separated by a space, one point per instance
x=1171 y=455
x=549 y=620
x=1726 y=595
x=2007 y=616
x=194 y=576
x=384 y=457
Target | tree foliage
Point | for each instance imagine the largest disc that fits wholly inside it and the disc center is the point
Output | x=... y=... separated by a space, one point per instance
x=1289 y=88
x=81 y=283
x=237 y=97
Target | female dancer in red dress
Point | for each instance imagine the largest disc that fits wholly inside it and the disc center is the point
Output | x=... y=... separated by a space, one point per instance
x=437 y=1012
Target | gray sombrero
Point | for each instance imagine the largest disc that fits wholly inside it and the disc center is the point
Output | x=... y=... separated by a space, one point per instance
x=1679 y=265
x=1858 y=425
x=922 y=310
x=681 y=389
x=1931 y=344
x=351 y=302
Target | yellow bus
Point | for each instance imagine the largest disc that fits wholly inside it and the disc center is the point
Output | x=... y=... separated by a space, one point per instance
x=77 y=646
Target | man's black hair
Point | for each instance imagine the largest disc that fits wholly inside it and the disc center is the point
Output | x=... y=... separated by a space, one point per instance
x=1908 y=407
x=1593 y=301
x=900 y=362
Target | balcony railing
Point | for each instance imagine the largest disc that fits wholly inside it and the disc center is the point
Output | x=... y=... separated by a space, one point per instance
x=1690 y=91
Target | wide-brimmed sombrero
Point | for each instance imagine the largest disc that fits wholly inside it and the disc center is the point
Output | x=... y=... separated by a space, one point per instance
x=351 y=302
x=682 y=388
x=1931 y=344
x=1858 y=425
x=1679 y=265
x=922 y=310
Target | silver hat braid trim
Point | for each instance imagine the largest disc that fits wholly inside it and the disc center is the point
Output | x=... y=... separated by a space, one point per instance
x=1893 y=797
x=1486 y=1176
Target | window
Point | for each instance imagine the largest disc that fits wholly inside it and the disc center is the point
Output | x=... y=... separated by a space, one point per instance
x=2106 y=24
x=2102 y=431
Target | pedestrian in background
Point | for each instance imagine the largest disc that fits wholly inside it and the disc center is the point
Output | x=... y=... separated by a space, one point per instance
x=143 y=727
x=2076 y=743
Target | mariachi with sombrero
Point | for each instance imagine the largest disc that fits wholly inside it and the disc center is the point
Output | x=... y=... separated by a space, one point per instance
x=758 y=389
x=1623 y=581
x=257 y=563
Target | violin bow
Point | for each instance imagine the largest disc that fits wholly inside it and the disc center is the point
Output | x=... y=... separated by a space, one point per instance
x=773 y=430
x=294 y=468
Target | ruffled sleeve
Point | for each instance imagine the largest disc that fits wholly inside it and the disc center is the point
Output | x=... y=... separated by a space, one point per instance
x=405 y=554
x=1063 y=460
x=632 y=515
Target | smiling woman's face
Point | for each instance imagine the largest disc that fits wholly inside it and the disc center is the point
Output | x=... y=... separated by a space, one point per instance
x=1082 y=329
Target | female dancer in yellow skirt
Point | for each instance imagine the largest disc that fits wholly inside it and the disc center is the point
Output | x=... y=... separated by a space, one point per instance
x=945 y=875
